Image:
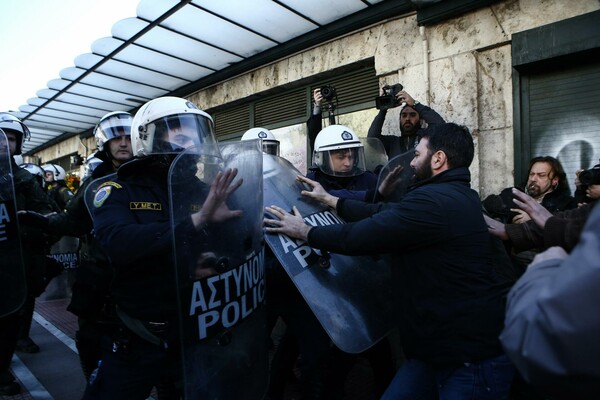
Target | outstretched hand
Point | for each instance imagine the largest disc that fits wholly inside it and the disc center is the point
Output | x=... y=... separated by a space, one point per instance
x=291 y=225
x=390 y=182
x=496 y=228
x=536 y=210
x=214 y=208
x=317 y=192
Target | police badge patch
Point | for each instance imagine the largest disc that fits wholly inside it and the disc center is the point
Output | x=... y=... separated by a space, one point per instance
x=346 y=135
x=101 y=195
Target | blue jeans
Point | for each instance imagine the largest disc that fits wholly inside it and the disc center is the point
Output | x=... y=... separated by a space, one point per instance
x=489 y=379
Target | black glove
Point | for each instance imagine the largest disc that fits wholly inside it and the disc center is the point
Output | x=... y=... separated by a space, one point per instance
x=33 y=219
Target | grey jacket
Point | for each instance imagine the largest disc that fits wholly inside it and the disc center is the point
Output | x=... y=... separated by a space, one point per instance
x=552 y=325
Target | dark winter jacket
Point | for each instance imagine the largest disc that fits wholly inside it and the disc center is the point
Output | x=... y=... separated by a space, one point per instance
x=395 y=145
x=451 y=301
x=562 y=229
x=29 y=195
x=361 y=187
x=557 y=200
x=93 y=277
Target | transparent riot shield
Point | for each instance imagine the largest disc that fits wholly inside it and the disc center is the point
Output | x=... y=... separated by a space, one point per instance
x=351 y=296
x=220 y=275
x=12 y=272
x=375 y=155
x=404 y=178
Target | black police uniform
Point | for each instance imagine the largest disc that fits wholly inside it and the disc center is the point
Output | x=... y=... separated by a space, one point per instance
x=29 y=196
x=60 y=193
x=131 y=222
x=89 y=300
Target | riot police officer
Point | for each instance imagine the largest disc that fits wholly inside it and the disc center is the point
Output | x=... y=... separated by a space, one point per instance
x=131 y=221
x=270 y=145
x=339 y=164
x=56 y=184
x=90 y=288
x=29 y=196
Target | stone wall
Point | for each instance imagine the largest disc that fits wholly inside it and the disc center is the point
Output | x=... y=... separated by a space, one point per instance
x=467 y=77
x=461 y=68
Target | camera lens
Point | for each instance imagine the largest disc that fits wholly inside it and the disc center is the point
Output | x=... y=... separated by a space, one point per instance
x=328 y=92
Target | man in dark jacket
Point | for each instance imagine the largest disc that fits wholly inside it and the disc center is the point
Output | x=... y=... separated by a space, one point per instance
x=544 y=229
x=546 y=183
x=92 y=279
x=414 y=117
x=29 y=196
x=451 y=305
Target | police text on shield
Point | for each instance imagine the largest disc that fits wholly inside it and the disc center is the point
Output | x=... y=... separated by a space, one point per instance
x=299 y=248
x=222 y=301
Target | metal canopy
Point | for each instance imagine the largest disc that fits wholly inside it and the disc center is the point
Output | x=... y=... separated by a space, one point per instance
x=178 y=47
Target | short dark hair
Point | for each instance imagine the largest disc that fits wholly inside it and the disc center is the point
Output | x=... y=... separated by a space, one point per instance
x=556 y=168
x=454 y=140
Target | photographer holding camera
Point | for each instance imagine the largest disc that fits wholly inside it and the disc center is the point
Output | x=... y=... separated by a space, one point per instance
x=588 y=185
x=323 y=95
x=413 y=117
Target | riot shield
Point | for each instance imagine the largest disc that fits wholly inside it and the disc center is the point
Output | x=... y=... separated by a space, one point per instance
x=12 y=272
x=220 y=276
x=375 y=155
x=350 y=296
x=405 y=178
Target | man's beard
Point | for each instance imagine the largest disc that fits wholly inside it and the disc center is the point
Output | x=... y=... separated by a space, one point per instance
x=423 y=173
x=409 y=131
x=534 y=190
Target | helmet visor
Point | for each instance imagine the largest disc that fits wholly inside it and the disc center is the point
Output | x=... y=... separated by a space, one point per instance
x=175 y=133
x=342 y=162
x=9 y=122
x=270 y=147
x=113 y=127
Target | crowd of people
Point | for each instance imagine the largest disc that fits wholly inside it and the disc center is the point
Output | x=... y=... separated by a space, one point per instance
x=492 y=298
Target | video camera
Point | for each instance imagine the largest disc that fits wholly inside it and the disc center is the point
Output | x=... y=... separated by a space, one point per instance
x=328 y=92
x=388 y=100
x=590 y=176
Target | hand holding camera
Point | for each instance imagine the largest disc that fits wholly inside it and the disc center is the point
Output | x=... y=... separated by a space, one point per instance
x=392 y=96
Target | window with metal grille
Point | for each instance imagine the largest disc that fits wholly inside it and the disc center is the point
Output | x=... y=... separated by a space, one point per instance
x=356 y=87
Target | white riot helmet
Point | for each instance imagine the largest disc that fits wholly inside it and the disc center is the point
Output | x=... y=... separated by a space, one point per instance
x=10 y=123
x=168 y=125
x=113 y=125
x=339 y=152
x=90 y=165
x=270 y=145
x=33 y=169
x=57 y=171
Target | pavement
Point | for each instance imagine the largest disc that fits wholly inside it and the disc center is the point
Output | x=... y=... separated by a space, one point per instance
x=55 y=374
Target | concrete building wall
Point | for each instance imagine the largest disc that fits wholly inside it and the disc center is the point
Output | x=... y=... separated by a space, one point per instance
x=461 y=68
x=466 y=74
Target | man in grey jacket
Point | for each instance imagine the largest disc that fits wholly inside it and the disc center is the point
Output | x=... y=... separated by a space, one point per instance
x=552 y=321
